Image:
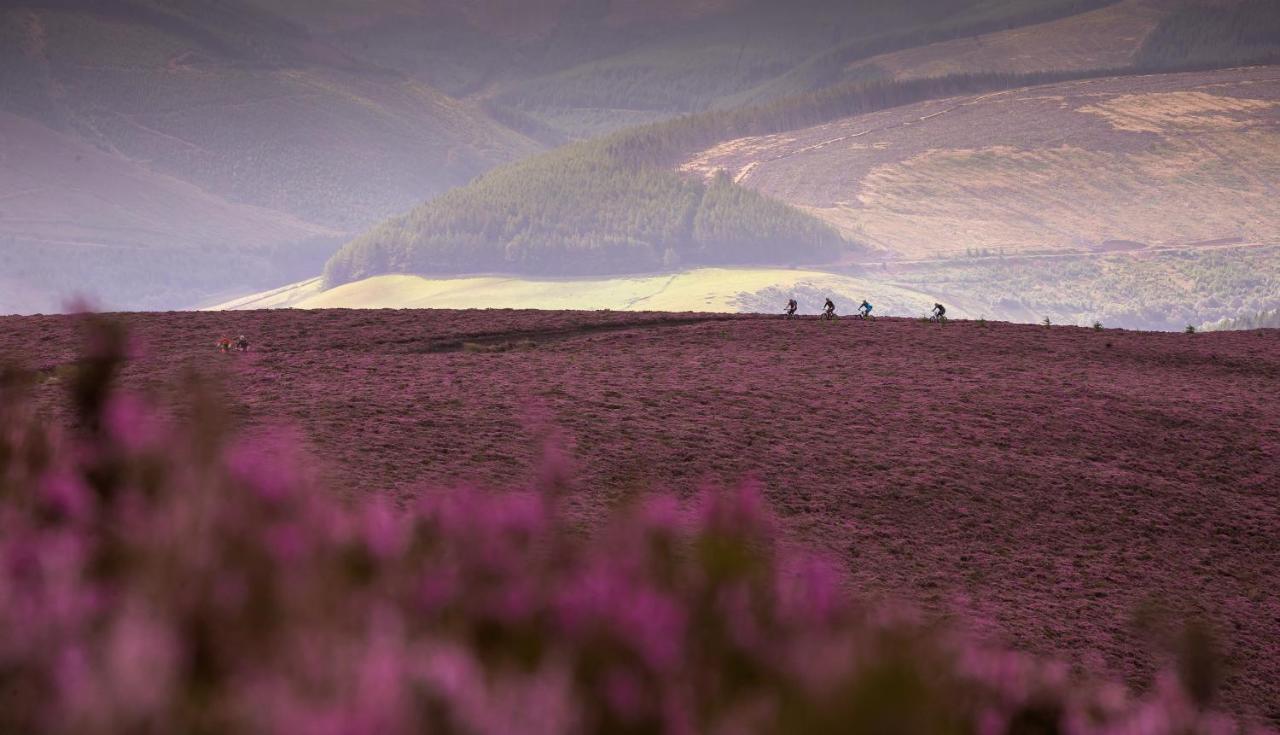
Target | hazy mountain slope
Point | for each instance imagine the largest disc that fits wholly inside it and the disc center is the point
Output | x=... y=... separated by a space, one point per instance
x=618 y=205
x=296 y=127
x=230 y=135
x=64 y=203
x=1153 y=159
x=59 y=189
x=1215 y=31
x=1164 y=289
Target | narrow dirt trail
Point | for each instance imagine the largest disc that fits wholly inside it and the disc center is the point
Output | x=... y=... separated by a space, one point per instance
x=535 y=337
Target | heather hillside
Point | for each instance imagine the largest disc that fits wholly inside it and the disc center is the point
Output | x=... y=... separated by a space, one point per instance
x=583 y=210
x=1053 y=486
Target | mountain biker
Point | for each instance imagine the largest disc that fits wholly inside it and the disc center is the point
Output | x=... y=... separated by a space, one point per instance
x=865 y=309
x=939 y=312
x=224 y=344
x=829 y=309
x=242 y=344
x=791 y=308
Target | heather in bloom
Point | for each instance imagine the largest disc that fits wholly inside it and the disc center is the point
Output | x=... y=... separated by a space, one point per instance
x=179 y=579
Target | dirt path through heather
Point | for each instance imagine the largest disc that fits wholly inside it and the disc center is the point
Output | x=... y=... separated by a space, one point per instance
x=535 y=337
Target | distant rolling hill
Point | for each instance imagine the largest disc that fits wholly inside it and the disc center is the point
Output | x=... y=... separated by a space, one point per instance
x=334 y=115
x=1157 y=159
x=224 y=129
x=1142 y=200
x=67 y=207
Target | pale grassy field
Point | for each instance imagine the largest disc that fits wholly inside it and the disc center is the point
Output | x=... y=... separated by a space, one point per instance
x=704 y=289
x=1163 y=160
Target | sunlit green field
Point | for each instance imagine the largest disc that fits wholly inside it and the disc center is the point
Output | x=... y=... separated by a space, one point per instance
x=704 y=289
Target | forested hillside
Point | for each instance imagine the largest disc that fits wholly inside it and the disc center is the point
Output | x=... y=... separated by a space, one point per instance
x=583 y=211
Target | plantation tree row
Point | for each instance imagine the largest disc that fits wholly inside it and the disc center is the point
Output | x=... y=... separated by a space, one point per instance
x=1261 y=320
x=1248 y=32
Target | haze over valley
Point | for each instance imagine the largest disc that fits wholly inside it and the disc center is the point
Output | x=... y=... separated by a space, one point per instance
x=1078 y=160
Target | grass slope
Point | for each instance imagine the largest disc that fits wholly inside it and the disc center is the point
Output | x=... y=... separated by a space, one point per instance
x=1051 y=482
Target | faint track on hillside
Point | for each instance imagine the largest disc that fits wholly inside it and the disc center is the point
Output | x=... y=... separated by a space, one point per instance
x=646 y=297
x=526 y=337
x=243 y=305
